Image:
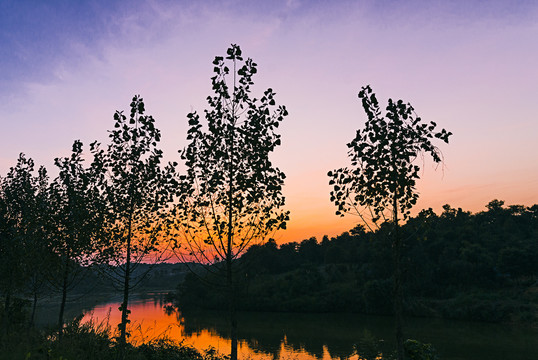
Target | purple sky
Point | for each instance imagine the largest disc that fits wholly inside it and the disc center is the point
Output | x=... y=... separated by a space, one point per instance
x=471 y=66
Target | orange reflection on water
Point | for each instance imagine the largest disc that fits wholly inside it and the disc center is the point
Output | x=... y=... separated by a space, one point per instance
x=149 y=321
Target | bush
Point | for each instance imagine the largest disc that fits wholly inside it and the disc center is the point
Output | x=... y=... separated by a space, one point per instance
x=415 y=350
x=368 y=347
x=378 y=296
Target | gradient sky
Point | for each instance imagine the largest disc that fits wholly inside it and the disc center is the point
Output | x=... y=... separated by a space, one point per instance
x=471 y=66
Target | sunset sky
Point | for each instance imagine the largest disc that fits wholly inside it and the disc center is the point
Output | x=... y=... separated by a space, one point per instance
x=470 y=66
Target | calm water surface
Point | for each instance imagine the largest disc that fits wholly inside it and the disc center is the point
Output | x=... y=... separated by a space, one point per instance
x=316 y=336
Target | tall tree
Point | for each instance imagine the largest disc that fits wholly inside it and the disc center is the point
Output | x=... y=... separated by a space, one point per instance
x=231 y=194
x=136 y=191
x=20 y=229
x=38 y=254
x=380 y=184
x=77 y=220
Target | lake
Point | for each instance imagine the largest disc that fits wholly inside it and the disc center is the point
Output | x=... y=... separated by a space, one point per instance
x=313 y=336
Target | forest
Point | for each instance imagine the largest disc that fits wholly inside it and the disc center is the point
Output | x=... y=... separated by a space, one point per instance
x=457 y=265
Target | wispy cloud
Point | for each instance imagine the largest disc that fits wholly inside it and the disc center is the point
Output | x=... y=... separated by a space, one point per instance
x=470 y=66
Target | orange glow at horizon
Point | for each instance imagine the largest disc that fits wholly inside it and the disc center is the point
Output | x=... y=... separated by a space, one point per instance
x=313 y=215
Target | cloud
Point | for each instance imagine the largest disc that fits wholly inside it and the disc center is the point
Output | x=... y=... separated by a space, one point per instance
x=471 y=70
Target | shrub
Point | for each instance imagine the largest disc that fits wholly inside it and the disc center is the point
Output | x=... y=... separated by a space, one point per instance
x=415 y=350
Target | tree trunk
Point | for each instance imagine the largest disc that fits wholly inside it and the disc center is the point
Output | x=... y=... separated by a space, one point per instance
x=232 y=310
x=398 y=294
x=229 y=280
x=64 y=297
x=229 y=253
x=125 y=303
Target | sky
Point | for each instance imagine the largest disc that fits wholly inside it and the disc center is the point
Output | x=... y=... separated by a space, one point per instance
x=470 y=66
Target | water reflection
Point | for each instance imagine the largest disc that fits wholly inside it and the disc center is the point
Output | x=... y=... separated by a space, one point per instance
x=261 y=336
x=286 y=334
x=315 y=336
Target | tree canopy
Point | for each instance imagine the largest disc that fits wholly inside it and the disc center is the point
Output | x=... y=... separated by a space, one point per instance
x=383 y=155
x=231 y=195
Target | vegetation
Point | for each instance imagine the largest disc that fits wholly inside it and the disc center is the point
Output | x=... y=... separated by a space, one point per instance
x=114 y=215
x=108 y=216
x=455 y=265
x=74 y=224
x=90 y=341
x=23 y=251
x=381 y=181
x=231 y=195
x=135 y=192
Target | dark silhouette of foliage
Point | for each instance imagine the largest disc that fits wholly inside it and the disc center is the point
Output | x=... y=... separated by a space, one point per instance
x=23 y=247
x=77 y=220
x=439 y=277
x=383 y=175
x=38 y=255
x=90 y=341
x=232 y=194
x=381 y=182
x=136 y=192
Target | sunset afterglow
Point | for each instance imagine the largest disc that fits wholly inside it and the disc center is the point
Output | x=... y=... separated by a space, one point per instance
x=273 y=180
x=466 y=65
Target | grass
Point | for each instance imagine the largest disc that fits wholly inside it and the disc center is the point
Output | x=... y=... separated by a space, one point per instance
x=91 y=340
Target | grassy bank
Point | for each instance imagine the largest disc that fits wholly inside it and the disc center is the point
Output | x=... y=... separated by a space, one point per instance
x=90 y=341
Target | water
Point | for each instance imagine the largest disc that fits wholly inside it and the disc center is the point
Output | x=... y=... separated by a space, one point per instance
x=315 y=336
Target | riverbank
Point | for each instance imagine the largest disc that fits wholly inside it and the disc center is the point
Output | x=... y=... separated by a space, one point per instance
x=311 y=290
x=314 y=336
x=90 y=341
x=456 y=265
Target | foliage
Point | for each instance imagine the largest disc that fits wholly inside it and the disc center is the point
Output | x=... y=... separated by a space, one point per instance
x=136 y=192
x=89 y=341
x=383 y=174
x=381 y=182
x=231 y=195
x=76 y=221
x=23 y=237
x=440 y=277
x=368 y=347
x=415 y=350
x=77 y=213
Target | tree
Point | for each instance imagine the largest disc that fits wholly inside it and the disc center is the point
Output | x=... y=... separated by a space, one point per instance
x=231 y=195
x=24 y=236
x=20 y=231
x=380 y=185
x=38 y=256
x=77 y=220
x=136 y=191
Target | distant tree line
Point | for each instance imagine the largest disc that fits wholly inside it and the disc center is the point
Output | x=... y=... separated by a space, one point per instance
x=457 y=264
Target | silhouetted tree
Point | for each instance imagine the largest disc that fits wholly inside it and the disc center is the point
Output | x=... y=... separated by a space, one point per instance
x=136 y=192
x=232 y=194
x=20 y=231
x=77 y=219
x=38 y=255
x=380 y=185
